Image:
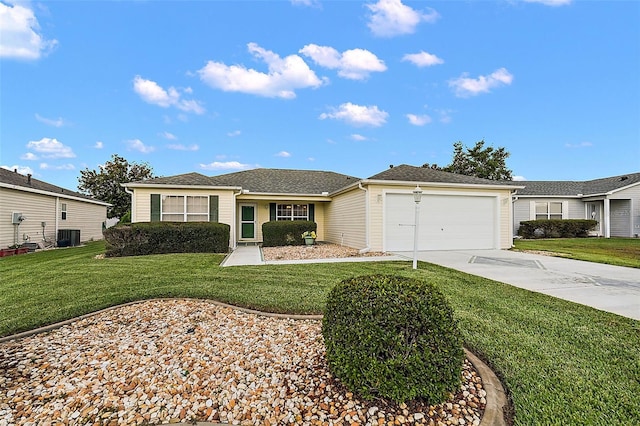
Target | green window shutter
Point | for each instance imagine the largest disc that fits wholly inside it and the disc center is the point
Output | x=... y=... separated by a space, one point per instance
x=155 y=207
x=213 y=208
x=312 y=212
x=272 y=211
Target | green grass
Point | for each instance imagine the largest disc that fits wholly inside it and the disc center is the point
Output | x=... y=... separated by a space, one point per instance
x=614 y=251
x=562 y=363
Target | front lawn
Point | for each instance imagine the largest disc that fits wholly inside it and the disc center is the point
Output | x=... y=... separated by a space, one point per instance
x=562 y=363
x=614 y=251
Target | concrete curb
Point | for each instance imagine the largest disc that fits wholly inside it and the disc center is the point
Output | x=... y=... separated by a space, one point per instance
x=496 y=397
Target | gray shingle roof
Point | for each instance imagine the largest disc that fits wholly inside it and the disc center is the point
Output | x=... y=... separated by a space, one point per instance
x=283 y=181
x=577 y=188
x=408 y=173
x=14 y=178
x=184 y=179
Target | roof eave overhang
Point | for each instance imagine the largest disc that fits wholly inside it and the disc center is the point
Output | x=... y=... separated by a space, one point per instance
x=53 y=194
x=248 y=195
x=171 y=186
x=440 y=184
x=551 y=196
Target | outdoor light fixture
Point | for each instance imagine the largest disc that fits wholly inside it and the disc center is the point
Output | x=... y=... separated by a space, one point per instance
x=417 y=197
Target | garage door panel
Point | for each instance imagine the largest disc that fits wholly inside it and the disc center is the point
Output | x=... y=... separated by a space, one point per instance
x=447 y=222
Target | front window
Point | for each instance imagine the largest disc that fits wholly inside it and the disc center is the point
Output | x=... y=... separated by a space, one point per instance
x=292 y=212
x=549 y=210
x=178 y=208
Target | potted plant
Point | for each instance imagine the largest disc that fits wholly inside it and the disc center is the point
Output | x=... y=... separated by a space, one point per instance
x=309 y=237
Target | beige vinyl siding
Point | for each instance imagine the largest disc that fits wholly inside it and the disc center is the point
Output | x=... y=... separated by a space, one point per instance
x=345 y=219
x=263 y=215
x=376 y=210
x=38 y=208
x=88 y=218
x=142 y=203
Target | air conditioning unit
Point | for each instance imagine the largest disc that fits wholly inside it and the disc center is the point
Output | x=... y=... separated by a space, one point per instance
x=17 y=218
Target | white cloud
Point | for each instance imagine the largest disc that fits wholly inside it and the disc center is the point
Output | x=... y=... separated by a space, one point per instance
x=29 y=156
x=357 y=115
x=354 y=64
x=464 y=86
x=20 y=36
x=419 y=120
x=46 y=166
x=99 y=145
x=308 y=3
x=51 y=148
x=151 y=92
x=23 y=170
x=357 y=137
x=58 y=122
x=390 y=18
x=284 y=76
x=283 y=154
x=138 y=145
x=423 y=59
x=169 y=136
x=228 y=165
x=579 y=145
x=234 y=133
x=180 y=147
x=551 y=2
x=519 y=178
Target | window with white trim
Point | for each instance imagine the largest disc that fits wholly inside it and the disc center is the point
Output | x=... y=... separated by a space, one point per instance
x=292 y=212
x=63 y=211
x=548 y=210
x=180 y=208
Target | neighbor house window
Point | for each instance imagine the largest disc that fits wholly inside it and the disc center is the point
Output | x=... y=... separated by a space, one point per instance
x=180 y=208
x=548 y=210
x=292 y=212
x=63 y=211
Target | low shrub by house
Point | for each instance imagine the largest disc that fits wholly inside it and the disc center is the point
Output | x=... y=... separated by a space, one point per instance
x=392 y=337
x=285 y=232
x=138 y=239
x=556 y=228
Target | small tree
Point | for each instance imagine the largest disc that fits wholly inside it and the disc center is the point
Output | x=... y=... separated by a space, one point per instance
x=104 y=184
x=487 y=163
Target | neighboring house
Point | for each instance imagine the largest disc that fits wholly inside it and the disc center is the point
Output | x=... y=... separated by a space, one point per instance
x=45 y=209
x=377 y=214
x=614 y=202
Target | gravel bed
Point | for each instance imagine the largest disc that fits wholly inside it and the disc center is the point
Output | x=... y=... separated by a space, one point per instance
x=169 y=361
x=316 y=251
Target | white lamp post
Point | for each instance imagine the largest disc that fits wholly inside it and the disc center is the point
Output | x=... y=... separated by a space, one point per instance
x=417 y=197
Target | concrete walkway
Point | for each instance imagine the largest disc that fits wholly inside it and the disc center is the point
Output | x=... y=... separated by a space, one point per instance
x=244 y=255
x=609 y=288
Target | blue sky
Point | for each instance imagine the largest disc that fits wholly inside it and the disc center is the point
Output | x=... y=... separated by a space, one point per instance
x=346 y=86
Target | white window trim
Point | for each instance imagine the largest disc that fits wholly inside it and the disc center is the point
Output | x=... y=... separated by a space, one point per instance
x=292 y=217
x=564 y=206
x=184 y=213
x=63 y=211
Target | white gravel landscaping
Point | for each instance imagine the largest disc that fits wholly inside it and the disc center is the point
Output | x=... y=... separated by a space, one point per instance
x=168 y=361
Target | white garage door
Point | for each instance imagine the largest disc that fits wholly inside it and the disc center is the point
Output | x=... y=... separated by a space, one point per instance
x=447 y=222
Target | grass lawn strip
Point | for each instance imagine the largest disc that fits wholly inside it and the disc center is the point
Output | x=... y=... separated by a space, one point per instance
x=562 y=363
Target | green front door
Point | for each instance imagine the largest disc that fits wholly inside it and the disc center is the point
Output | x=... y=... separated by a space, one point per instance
x=247 y=222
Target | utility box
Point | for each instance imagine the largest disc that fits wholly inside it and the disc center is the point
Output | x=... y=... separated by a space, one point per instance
x=68 y=237
x=17 y=218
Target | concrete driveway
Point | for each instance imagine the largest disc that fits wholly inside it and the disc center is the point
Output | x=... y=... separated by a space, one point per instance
x=609 y=288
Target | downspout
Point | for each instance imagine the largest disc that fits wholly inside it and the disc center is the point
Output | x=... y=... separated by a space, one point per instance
x=133 y=212
x=607 y=218
x=366 y=218
x=55 y=235
x=234 y=222
x=514 y=198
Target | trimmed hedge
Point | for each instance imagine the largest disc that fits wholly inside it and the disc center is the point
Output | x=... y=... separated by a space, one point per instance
x=285 y=232
x=139 y=239
x=556 y=228
x=392 y=337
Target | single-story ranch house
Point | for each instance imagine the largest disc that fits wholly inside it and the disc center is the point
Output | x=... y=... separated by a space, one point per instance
x=614 y=202
x=33 y=211
x=377 y=214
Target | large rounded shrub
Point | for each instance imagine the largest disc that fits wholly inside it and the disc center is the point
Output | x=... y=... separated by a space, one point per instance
x=392 y=337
